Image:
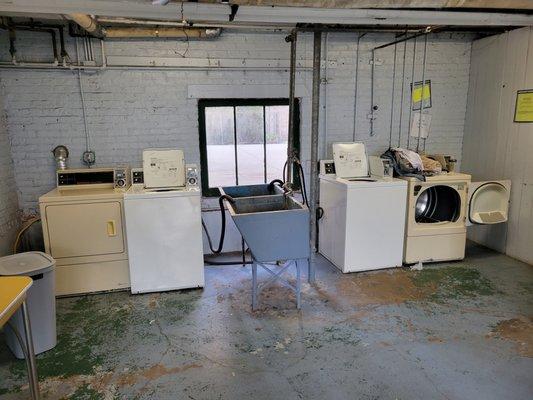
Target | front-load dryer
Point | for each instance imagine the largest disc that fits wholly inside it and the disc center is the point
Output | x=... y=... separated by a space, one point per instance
x=440 y=208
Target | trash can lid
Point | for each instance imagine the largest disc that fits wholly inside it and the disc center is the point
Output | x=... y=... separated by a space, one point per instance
x=28 y=263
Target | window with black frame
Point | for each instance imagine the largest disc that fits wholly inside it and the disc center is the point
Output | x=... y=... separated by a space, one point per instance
x=243 y=141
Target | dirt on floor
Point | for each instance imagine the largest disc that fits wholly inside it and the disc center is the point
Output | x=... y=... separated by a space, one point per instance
x=386 y=287
x=519 y=330
x=403 y=285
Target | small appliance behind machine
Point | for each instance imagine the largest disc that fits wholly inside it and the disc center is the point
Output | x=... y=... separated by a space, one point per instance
x=163 y=224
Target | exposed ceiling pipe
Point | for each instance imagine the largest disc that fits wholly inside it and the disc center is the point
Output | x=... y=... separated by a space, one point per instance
x=87 y=23
x=92 y=27
x=153 y=22
x=167 y=32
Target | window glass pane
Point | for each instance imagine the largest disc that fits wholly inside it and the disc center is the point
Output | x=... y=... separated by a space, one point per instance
x=277 y=134
x=220 y=143
x=250 y=145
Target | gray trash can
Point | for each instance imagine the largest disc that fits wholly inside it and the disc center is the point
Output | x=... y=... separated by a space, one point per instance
x=40 y=300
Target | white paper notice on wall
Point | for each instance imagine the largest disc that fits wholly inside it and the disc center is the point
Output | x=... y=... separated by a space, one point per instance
x=420 y=127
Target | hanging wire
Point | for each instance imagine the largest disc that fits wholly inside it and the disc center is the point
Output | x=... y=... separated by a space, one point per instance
x=372 y=108
x=184 y=23
x=422 y=98
x=354 y=134
x=411 y=96
x=392 y=95
x=402 y=95
x=80 y=82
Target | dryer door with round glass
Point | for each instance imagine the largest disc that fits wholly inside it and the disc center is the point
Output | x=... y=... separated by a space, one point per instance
x=437 y=203
x=488 y=202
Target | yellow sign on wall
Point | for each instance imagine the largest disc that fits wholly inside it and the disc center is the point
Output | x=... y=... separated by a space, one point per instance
x=421 y=95
x=524 y=106
x=417 y=93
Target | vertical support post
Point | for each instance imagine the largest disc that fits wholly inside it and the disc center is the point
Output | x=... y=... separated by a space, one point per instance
x=315 y=109
x=30 y=355
x=292 y=87
x=264 y=145
x=235 y=145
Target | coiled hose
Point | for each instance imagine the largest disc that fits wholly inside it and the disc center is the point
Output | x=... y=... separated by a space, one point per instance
x=222 y=225
x=301 y=175
x=218 y=250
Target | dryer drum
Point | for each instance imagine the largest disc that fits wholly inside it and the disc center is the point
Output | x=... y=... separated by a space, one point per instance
x=438 y=203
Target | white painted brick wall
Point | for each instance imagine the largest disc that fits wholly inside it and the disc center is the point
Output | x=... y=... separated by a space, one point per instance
x=129 y=110
x=9 y=220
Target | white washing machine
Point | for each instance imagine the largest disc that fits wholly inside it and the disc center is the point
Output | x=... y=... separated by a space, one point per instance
x=164 y=235
x=362 y=226
x=440 y=208
x=363 y=220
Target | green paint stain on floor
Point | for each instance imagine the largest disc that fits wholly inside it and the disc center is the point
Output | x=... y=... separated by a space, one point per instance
x=453 y=283
x=83 y=328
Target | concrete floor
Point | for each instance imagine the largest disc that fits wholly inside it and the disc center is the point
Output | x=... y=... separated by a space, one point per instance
x=460 y=330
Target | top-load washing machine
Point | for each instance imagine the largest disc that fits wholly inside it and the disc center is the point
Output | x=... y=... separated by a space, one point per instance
x=440 y=208
x=163 y=224
x=363 y=220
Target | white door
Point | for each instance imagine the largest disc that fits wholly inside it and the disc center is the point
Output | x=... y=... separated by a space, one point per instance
x=488 y=202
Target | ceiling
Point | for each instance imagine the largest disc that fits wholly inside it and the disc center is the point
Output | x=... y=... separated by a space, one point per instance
x=350 y=4
x=290 y=13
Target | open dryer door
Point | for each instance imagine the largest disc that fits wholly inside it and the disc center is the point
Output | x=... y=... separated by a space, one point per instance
x=488 y=202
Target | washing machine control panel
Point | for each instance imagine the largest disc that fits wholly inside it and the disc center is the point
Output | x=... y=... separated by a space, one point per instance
x=191 y=176
x=137 y=176
x=327 y=167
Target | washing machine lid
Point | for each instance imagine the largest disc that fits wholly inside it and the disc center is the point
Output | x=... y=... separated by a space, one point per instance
x=28 y=263
x=136 y=192
x=488 y=202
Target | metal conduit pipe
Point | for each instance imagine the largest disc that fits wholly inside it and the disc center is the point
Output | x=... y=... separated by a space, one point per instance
x=39 y=28
x=315 y=111
x=292 y=38
x=356 y=79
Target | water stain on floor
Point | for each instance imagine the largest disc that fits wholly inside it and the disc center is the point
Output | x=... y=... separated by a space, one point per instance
x=519 y=330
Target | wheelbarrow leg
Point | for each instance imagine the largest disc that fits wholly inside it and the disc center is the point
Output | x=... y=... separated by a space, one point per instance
x=254 y=285
x=298 y=283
